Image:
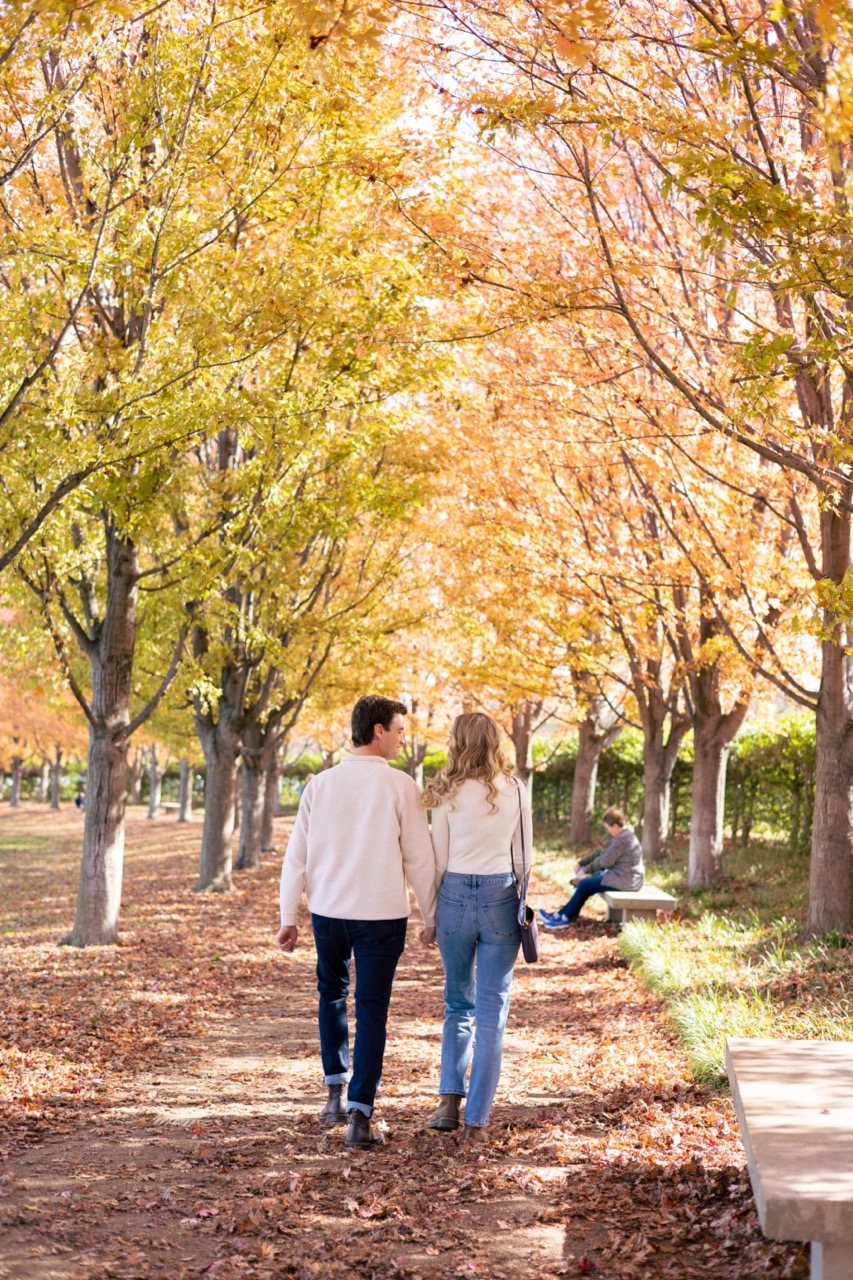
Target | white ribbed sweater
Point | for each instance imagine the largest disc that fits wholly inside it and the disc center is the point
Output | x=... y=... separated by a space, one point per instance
x=469 y=839
x=360 y=835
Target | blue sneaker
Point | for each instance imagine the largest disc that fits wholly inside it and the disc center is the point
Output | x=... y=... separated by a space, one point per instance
x=545 y=916
x=557 y=921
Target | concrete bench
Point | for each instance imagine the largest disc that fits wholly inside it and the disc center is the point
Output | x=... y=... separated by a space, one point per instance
x=642 y=904
x=794 y=1104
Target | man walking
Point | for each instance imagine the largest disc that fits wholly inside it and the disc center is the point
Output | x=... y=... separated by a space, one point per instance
x=361 y=833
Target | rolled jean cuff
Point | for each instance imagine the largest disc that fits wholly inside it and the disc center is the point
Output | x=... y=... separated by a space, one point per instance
x=338 y=1079
x=360 y=1106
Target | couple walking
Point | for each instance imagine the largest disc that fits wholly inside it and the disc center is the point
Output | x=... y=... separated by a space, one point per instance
x=361 y=835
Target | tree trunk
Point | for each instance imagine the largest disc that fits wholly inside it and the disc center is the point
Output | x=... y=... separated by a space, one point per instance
x=590 y=746
x=710 y=756
x=659 y=759
x=522 y=738
x=185 y=792
x=111 y=662
x=595 y=732
x=252 y=815
x=415 y=770
x=155 y=783
x=272 y=799
x=656 y=800
x=831 y=870
x=262 y=741
x=44 y=782
x=238 y=794
x=56 y=780
x=17 y=776
x=137 y=770
x=219 y=743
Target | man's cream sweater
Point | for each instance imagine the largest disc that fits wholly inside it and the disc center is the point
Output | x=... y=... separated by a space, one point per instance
x=361 y=833
x=470 y=839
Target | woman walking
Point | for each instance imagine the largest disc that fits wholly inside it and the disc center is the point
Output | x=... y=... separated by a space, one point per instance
x=481 y=823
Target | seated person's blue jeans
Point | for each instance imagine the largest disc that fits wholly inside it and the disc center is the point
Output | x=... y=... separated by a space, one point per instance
x=586 y=887
x=377 y=946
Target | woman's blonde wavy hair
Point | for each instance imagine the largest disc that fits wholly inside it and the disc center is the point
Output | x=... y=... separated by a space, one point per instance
x=474 y=751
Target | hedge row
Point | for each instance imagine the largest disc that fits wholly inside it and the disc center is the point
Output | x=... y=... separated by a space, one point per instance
x=769 y=783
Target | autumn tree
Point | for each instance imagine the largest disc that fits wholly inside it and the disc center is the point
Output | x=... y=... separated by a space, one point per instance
x=175 y=225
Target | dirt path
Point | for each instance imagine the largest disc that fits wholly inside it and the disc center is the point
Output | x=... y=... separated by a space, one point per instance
x=198 y=1152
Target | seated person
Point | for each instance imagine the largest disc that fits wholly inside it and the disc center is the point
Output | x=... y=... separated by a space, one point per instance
x=618 y=864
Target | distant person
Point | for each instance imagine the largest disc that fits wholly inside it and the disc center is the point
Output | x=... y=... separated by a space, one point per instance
x=481 y=828
x=80 y=798
x=360 y=834
x=617 y=865
x=303 y=784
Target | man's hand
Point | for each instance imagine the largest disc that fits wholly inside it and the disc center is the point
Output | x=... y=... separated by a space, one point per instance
x=286 y=937
x=428 y=938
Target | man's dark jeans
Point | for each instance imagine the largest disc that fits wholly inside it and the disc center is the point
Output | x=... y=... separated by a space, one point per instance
x=377 y=946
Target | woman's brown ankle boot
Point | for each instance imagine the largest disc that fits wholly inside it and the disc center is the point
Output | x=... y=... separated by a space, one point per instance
x=446 y=1116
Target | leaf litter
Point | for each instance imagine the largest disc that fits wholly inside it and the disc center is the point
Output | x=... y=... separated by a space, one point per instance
x=158 y=1105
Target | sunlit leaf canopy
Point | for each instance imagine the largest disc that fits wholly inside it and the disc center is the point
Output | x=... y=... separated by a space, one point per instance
x=507 y=343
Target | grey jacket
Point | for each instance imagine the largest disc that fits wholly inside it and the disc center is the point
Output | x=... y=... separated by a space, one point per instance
x=622 y=862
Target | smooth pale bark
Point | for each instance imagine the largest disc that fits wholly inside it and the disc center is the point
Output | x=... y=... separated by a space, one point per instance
x=523 y=723
x=111 y=665
x=656 y=801
x=155 y=783
x=713 y=732
x=595 y=732
x=262 y=740
x=584 y=782
x=56 y=780
x=414 y=757
x=664 y=727
x=708 y=793
x=44 y=782
x=272 y=800
x=219 y=742
x=660 y=753
x=185 y=792
x=831 y=868
x=137 y=771
x=17 y=777
x=238 y=793
x=251 y=816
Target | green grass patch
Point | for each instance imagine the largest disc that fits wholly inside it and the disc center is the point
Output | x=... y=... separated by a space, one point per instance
x=20 y=843
x=731 y=963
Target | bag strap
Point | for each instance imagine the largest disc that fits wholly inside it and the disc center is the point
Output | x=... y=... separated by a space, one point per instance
x=525 y=875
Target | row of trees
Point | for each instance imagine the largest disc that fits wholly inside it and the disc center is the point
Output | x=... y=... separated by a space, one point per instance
x=674 y=474
x=495 y=356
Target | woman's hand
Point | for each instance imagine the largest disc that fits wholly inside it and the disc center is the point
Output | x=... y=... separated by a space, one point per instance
x=428 y=938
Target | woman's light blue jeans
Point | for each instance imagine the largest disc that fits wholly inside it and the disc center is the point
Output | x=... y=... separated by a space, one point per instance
x=478 y=935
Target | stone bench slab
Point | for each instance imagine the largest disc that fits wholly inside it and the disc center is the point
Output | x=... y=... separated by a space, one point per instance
x=794 y=1103
x=637 y=904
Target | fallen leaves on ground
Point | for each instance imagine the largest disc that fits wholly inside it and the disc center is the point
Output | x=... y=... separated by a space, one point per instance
x=159 y=1105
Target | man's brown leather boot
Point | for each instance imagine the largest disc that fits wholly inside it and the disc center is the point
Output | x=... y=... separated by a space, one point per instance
x=359 y=1134
x=334 y=1111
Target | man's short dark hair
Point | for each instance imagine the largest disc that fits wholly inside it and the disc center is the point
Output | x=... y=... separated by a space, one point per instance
x=370 y=711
